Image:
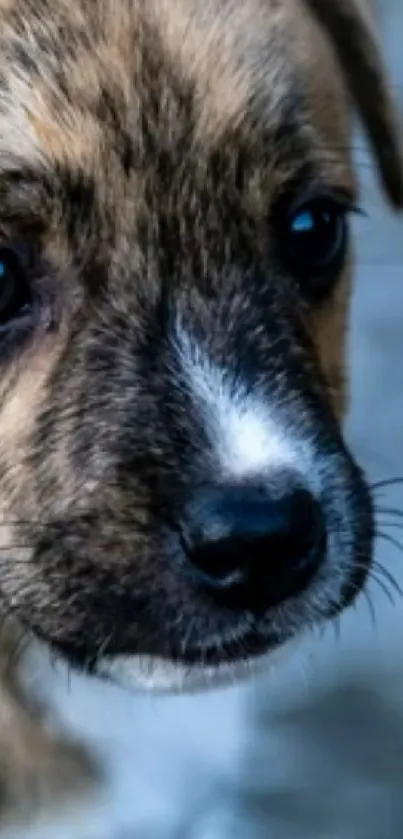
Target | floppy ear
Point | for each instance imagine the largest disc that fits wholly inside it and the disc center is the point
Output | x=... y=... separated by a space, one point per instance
x=350 y=28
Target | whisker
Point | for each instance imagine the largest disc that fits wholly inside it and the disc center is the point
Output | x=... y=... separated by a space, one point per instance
x=8 y=548
x=371 y=607
x=386 y=483
x=103 y=646
x=336 y=623
x=392 y=511
x=68 y=679
x=18 y=650
x=391 y=539
x=15 y=562
x=383 y=588
x=396 y=525
x=389 y=577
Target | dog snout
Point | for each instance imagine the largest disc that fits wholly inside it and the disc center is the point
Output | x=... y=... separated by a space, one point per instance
x=253 y=548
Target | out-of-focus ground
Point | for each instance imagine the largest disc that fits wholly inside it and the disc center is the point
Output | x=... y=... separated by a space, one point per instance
x=315 y=749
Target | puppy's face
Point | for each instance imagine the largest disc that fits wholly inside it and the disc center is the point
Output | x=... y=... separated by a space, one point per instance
x=176 y=186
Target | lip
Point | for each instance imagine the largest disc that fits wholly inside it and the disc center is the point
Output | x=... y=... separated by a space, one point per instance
x=254 y=643
x=249 y=646
x=168 y=677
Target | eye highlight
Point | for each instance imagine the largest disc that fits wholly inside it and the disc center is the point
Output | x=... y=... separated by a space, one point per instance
x=313 y=241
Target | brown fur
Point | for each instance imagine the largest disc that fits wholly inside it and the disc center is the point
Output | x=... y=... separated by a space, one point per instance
x=124 y=124
x=42 y=770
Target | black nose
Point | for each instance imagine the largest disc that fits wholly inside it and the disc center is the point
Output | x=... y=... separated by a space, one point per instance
x=252 y=550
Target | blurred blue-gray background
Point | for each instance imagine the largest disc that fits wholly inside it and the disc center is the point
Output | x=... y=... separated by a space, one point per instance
x=316 y=748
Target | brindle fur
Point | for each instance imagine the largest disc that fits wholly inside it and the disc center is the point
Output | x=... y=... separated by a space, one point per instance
x=144 y=147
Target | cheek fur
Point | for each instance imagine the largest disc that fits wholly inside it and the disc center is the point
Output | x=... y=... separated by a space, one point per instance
x=329 y=331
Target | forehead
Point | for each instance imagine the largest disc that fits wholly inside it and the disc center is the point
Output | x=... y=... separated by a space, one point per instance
x=105 y=88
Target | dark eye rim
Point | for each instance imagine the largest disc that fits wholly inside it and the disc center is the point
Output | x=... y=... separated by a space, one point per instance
x=316 y=282
x=36 y=311
x=17 y=257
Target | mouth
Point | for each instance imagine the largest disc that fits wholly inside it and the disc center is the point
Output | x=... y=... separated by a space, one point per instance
x=212 y=642
x=241 y=649
x=251 y=645
x=187 y=624
x=262 y=636
x=204 y=671
x=214 y=664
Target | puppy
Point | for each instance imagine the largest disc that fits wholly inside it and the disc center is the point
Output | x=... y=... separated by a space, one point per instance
x=177 y=181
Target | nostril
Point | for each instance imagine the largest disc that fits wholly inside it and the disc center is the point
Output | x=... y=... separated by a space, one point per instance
x=306 y=525
x=253 y=549
x=221 y=562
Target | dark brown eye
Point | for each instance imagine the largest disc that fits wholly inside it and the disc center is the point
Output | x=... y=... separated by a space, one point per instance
x=314 y=241
x=15 y=295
